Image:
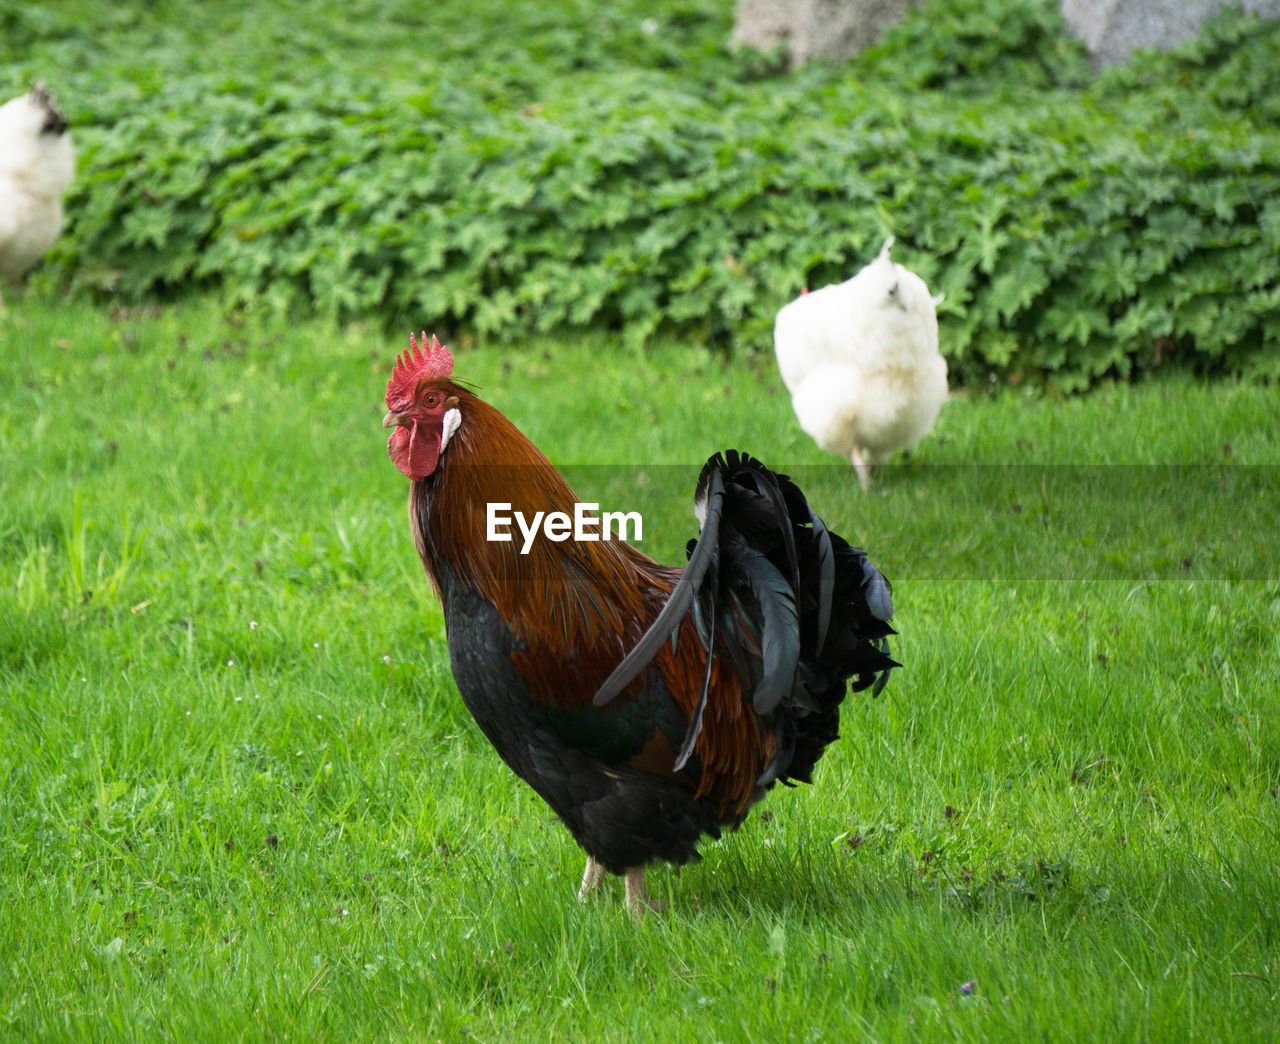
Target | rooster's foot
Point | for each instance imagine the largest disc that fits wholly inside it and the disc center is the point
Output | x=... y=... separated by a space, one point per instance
x=638 y=901
x=591 y=879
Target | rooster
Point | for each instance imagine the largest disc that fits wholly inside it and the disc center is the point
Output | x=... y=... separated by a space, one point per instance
x=648 y=705
x=861 y=361
x=36 y=165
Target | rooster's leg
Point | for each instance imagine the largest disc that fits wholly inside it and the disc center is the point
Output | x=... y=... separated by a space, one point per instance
x=638 y=901
x=862 y=467
x=591 y=878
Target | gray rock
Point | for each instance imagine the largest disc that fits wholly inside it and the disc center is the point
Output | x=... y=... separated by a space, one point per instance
x=761 y=24
x=1113 y=28
x=814 y=28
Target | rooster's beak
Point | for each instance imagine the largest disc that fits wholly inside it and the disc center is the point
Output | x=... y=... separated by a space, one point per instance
x=394 y=420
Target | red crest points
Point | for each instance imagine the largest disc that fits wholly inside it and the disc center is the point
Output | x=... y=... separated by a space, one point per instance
x=414 y=366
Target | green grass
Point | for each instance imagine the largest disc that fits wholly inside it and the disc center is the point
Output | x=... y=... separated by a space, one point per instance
x=241 y=799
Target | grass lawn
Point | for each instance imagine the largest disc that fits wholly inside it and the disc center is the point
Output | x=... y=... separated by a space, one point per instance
x=242 y=800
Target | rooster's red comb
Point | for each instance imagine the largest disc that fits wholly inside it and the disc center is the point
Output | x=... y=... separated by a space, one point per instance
x=415 y=365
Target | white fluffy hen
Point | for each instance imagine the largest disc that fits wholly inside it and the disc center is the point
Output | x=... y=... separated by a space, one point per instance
x=861 y=361
x=36 y=165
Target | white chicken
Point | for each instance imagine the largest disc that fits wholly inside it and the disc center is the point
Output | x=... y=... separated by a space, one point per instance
x=861 y=361
x=36 y=165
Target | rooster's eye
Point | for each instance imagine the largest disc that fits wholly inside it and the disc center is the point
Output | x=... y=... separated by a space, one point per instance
x=432 y=399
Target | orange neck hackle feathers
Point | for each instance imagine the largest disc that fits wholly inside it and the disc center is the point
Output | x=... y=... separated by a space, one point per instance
x=414 y=366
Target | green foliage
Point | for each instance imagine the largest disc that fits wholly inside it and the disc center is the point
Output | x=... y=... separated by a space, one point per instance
x=985 y=45
x=534 y=171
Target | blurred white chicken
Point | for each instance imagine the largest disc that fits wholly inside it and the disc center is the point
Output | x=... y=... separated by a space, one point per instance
x=36 y=165
x=861 y=361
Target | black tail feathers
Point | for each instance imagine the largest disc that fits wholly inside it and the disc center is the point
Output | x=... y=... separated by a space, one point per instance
x=799 y=614
x=790 y=572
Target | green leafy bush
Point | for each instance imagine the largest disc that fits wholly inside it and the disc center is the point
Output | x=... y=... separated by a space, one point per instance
x=586 y=170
